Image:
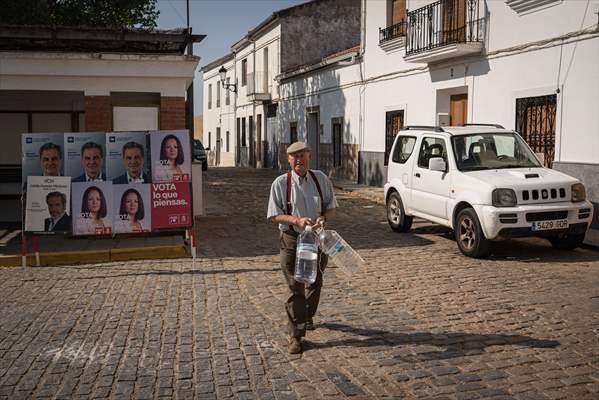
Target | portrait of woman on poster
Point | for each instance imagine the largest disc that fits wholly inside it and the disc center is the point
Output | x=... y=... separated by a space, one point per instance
x=131 y=212
x=171 y=160
x=93 y=213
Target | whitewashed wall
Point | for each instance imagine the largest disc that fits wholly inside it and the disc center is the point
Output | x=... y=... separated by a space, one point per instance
x=223 y=116
x=494 y=84
x=335 y=90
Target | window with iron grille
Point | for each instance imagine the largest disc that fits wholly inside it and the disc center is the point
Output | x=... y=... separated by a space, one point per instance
x=337 y=128
x=217 y=94
x=227 y=94
x=393 y=124
x=244 y=71
x=243 y=140
x=535 y=121
x=292 y=132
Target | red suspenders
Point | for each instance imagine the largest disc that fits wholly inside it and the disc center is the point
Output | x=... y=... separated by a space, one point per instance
x=289 y=207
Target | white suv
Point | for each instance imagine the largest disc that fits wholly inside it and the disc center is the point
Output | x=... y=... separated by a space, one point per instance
x=485 y=183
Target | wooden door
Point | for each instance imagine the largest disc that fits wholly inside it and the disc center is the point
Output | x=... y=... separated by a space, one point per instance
x=458 y=109
x=454 y=21
x=398 y=12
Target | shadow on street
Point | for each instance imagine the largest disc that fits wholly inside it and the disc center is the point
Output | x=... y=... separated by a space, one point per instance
x=454 y=344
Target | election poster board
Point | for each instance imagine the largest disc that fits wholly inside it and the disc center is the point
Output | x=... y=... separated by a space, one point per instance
x=132 y=208
x=85 y=155
x=171 y=205
x=92 y=208
x=171 y=156
x=107 y=180
x=48 y=204
x=128 y=158
x=43 y=155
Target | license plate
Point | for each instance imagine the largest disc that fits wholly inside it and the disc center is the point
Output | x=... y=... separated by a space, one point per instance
x=547 y=225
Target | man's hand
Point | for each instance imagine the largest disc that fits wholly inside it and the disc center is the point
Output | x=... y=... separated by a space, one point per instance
x=301 y=222
x=321 y=220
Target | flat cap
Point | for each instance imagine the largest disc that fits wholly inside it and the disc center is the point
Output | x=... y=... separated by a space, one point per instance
x=297 y=146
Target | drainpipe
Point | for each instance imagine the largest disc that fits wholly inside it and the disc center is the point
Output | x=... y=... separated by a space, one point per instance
x=362 y=91
x=254 y=106
x=237 y=144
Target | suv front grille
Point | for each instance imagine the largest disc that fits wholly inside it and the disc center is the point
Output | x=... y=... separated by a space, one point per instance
x=546 y=216
x=544 y=194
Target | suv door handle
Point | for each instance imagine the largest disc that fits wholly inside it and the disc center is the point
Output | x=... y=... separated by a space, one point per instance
x=417 y=174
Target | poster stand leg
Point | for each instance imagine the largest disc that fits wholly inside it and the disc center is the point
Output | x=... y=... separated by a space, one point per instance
x=23 y=252
x=36 y=248
x=193 y=248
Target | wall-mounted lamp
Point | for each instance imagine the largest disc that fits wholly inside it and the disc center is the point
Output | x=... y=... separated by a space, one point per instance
x=222 y=72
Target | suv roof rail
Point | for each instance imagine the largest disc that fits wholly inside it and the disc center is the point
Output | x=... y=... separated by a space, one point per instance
x=423 y=127
x=494 y=125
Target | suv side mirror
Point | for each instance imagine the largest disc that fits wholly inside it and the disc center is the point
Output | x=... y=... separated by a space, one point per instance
x=437 y=164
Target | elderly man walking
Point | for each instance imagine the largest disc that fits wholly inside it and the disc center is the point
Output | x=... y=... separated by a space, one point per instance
x=299 y=198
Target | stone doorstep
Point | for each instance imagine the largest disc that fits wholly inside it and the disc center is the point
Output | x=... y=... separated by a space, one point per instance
x=98 y=256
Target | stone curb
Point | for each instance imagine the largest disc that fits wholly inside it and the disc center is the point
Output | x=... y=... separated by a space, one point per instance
x=98 y=256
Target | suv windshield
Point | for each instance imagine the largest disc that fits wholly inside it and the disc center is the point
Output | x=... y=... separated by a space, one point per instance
x=492 y=151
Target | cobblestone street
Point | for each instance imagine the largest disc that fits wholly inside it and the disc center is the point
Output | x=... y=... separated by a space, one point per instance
x=419 y=321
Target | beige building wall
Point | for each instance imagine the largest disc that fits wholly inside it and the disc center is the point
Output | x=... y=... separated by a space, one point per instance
x=198 y=127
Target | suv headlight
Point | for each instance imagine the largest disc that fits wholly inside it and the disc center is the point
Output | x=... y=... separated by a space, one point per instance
x=578 y=193
x=504 y=198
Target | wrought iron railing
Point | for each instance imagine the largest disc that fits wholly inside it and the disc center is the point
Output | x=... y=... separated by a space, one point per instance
x=444 y=22
x=392 y=32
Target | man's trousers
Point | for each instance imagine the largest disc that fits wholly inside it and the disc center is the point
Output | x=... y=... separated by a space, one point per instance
x=303 y=299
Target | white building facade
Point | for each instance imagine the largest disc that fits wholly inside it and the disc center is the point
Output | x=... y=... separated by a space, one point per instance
x=86 y=79
x=277 y=52
x=250 y=88
x=528 y=65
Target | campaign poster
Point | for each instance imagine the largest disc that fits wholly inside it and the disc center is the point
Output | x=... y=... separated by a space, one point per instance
x=85 y=156
x=48 y=204
x=171 y=156
x=132 y=208
x=43 y=155
x=92 y=208
x=127 y=158
x=171 y=205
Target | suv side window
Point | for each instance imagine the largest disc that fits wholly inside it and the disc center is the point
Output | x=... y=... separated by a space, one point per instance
x=431 y=147
x=403 y=149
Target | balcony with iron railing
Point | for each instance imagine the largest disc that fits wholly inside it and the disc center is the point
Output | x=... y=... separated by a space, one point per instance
x=259 y=86
x=444 y=29
x=392 y=32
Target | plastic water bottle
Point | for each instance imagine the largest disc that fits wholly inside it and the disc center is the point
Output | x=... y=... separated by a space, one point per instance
x=306 y=257
x=339 y=252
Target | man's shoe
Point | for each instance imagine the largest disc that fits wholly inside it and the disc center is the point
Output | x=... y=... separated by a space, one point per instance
x=310 y=325
x=294 y=345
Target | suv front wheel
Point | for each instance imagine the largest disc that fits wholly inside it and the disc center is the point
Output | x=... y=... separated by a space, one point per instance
x=396 y=216
x=469 y=234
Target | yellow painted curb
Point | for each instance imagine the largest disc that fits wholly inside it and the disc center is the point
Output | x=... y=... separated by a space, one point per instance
x=141 y=253
x=98 y=256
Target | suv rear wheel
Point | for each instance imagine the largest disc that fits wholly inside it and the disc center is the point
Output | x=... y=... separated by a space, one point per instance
x=567 y=242
x=396 y=216
x=469 y=235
